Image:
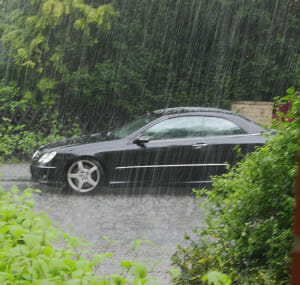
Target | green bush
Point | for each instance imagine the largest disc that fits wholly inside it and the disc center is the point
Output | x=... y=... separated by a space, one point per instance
x=16 y=141
x=248 y=232
x=28 y=256
x=24 y=127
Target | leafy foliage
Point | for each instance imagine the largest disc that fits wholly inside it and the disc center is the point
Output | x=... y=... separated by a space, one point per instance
x=216 y=278
x=28 y=255
x=250 y=213
x=51 y=57
x=23 y=129
x=104 y=61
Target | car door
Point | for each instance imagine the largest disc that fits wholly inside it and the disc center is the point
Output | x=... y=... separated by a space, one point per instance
x=223 y=143
x=167 y=156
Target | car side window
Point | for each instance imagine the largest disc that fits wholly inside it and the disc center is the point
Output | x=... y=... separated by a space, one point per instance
x=215 y=126
x=192 y=126
x=179 y=127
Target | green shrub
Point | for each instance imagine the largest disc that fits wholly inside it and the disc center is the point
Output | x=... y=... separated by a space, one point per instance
x=28 y=256
x=16 y=141
x=24 y=127
x=248 y=232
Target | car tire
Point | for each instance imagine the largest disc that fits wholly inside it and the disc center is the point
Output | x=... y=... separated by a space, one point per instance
x=83 y=176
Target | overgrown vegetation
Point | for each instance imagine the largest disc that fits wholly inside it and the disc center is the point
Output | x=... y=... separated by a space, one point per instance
x=250 y=210
x=24 y=128
x=98 y=63
x=28 y=255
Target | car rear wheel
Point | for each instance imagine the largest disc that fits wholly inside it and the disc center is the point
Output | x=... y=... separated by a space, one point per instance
x=83 y=176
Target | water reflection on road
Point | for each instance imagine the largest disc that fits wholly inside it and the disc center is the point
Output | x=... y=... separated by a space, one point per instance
x=162 y=217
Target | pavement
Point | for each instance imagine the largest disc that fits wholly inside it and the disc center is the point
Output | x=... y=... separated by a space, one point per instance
x=15 y=172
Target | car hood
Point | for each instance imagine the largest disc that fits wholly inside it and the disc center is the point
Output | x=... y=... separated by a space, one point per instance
x=76 y=141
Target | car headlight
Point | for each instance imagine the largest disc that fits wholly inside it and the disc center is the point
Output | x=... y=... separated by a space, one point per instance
x=36 y=154
x=46 y=157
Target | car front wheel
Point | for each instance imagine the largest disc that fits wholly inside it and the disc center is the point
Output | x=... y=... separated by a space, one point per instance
x=84 y=176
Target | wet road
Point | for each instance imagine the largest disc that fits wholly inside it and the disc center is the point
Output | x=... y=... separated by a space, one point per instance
x=162 y=217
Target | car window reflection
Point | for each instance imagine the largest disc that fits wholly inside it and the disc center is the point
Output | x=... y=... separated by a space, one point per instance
x=192 y=126
x=133 y=126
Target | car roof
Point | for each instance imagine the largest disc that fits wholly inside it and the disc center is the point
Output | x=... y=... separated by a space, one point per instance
x=182 y=110
x=177 y=110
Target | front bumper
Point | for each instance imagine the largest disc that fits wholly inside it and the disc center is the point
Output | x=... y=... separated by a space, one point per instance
x=50 y=175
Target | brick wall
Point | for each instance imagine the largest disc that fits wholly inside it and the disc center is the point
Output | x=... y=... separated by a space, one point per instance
x=260 y=112
x=296 y=253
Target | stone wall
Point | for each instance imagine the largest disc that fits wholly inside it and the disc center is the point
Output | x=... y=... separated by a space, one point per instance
x=260 y=112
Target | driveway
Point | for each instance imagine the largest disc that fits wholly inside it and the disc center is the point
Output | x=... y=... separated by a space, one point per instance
x=121 y=214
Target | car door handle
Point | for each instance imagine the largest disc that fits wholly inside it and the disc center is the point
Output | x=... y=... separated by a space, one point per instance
x=199 y=145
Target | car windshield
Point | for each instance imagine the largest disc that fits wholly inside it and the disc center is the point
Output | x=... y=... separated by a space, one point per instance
x=133 y=126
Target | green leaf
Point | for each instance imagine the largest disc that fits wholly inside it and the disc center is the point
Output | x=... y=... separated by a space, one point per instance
x=106 y=238
x=27 y=194
x=98 y=258
x=30 y=203
x=139 y=269
x=138 y=242
x=70 y=263
x=77 y=273
x=216 y=278
x=48 y=251
x=17 y=231
x=117 y=279
x=126 y=264
x=56 y=265
x=109 y=240
x=79 y=24
x=84 y=265
x=73 y=242
x=174 y=272
x=6 y=276
x=14 y=189
x=32 y=240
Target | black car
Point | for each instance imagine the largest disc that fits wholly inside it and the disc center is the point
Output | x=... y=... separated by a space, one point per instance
x=171 y=146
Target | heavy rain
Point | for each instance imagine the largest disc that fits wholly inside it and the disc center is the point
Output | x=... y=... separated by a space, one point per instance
x=117 y=110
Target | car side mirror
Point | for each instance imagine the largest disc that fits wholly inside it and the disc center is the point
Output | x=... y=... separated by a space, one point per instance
x=141 y=140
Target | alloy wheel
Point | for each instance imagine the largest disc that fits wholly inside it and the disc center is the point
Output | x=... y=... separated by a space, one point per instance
x=83 y=176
